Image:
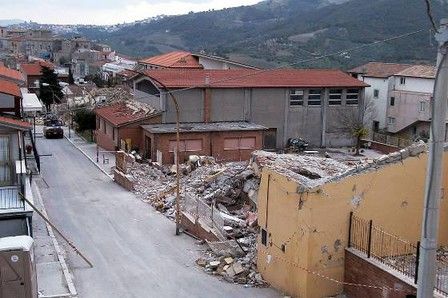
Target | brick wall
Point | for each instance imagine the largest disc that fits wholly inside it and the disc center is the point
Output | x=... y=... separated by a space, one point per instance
x=381 y=147
x=360 y=270
x=123 y=180
x=212 y=145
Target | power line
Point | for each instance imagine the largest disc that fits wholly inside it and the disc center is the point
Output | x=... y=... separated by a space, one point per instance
x=337 y=53
x=430 y=16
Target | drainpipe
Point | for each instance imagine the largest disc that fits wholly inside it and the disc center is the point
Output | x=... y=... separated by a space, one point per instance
x=430 y=224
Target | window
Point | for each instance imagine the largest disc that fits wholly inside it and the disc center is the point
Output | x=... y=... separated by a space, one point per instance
x=296 y=98
x=402 y=80
x=335 y=97
x=314 y=97
x=376 y=93
x=391 y=120
x=392 y=101
x=422 y=106
x=186 y=146
x=240 y=143
x=113 y=133
x=104 y=127
x=5 y=162
x=352 y=96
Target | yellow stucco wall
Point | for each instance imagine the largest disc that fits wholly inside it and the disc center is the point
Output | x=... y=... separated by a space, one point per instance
x=317 y=221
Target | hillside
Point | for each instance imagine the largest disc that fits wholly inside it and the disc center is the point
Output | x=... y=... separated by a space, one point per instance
x=281 y=32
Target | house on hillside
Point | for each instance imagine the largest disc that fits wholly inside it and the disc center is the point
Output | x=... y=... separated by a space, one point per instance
x=187 y=60
x=289 y=103
x=401 y=94
x=33 y=73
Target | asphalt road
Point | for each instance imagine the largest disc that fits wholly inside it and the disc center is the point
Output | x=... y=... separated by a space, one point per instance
x=132 y=247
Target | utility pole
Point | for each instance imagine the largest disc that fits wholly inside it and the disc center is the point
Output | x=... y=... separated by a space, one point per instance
x=434 y=174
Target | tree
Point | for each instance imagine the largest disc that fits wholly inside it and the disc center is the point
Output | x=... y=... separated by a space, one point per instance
x=85 y=119
x=358 y=120
x=50 y=91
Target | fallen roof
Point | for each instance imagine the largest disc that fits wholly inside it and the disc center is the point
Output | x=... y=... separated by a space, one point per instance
x=379 y=69
x=10 y=88
x=10 y=73
x=123 y=113
x=419 y=71
x=312 y=171
x=177 y=59
x=203 y=127
x=14 y=123
x=247 y=78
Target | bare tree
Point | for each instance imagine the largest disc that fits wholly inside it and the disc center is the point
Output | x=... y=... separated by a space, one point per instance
x=358 y=120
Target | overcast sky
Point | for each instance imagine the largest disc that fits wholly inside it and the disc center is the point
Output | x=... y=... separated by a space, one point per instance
x=104 y=11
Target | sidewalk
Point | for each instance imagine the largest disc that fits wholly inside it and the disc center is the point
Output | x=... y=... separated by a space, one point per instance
x=53 y=276
x=104 y=160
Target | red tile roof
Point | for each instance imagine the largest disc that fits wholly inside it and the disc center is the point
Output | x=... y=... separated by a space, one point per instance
x=10 y=88
x=119 y=114
x=419 y=71
x=178 y=59
x=246 y=78
x=10 y=73
x=34 y=69
x=379 y=69
x=15 y=123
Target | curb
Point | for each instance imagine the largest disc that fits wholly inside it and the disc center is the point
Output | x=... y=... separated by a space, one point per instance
x=89 y=158
x=61 y=259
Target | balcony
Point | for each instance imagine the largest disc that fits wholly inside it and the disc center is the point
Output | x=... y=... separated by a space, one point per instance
x=10 y=200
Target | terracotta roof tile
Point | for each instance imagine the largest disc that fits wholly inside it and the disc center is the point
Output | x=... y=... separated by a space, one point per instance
x=120 y=114
x=246 y=78
x=15 y=123
x=34 y=69
x=10 y=73
x=10 y=88
x=419 y=71
x=178 y=59
x=379 y=69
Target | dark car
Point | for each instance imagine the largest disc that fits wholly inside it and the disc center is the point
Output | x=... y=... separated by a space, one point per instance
x=53 y=129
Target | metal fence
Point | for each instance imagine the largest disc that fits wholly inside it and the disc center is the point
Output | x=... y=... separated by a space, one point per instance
x=202 y=211
x=10 y=200
x=390 y=250
x=391 y=140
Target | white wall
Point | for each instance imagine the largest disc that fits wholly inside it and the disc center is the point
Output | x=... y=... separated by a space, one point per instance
x=414 y=84
x=380 y=103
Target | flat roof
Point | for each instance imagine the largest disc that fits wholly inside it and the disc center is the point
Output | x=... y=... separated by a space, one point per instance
x=203 y=127
x=22 y=243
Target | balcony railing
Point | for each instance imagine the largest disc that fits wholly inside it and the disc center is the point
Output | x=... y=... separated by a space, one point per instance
x=10 y=199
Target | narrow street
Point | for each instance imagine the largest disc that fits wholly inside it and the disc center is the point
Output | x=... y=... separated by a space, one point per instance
x=132 y=247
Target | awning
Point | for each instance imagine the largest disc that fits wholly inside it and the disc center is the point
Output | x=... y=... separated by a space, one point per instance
x=30 y=102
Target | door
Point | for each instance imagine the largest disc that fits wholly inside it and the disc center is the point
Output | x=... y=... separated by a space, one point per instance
x=148 y=149
x=5 y=161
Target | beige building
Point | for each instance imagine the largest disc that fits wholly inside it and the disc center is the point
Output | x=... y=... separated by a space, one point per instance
x=304 y=206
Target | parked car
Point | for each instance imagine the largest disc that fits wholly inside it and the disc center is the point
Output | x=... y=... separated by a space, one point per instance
x=53 y=129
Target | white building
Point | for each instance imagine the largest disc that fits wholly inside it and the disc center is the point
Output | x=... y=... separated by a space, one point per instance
x=400 y=95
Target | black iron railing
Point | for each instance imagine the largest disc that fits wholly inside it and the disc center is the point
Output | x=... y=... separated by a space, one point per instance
x=392 y=251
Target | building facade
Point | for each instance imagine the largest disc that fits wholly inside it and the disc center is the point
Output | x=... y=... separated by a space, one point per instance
x=289 y=103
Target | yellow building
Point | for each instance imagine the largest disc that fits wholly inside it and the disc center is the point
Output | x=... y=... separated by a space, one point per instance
x=304 y=205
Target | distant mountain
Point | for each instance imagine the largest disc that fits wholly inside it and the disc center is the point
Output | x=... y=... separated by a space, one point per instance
x=285 y=32
x=10 y=22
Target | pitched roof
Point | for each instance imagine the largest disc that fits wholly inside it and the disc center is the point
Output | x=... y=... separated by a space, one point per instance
x=120 y=114
x=246 y=78
x=379 y=69
x=14 y=123
x=34 y=69
x=177 y=59
x=419 y=71
x=10 y=88
x=10 y=73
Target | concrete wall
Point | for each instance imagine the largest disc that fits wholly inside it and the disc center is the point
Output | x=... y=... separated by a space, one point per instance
x=413 y=84
x=227 y=105
x=314 y=224
x=191 y=105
